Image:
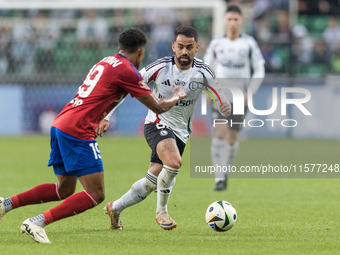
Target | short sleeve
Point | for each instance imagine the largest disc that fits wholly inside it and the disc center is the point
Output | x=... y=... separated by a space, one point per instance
x=133 y=83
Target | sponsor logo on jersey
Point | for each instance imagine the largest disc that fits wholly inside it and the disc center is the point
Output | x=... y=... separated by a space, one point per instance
x=180 y=83
x=185 y=102
x=232 y=65
x=167 y=82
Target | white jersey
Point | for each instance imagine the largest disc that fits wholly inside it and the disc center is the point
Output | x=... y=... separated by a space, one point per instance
x=236 y=59
x=164 y=73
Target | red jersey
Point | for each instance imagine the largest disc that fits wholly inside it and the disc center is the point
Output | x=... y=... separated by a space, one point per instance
x=106 y=85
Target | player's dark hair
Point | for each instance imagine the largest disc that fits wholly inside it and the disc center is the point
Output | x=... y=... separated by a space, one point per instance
x=234 y=8
x=131 y=39
x=187 y=31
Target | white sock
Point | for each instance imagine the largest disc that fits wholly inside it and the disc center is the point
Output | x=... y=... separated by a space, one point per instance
x=166 y=181
x=8 y=204
x=232 y=152
x=219 y=156
x=137 y=193
x=39 y=220
x=227 y=156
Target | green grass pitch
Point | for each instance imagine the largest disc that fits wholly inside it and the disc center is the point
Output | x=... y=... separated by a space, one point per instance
x=275 y=216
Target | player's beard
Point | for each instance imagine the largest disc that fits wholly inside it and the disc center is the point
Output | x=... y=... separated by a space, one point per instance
x=184 y=60
x=234 y=31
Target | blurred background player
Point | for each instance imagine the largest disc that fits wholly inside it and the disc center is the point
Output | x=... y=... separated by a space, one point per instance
x=234 y=55
x=74 y=151
x=167 y=133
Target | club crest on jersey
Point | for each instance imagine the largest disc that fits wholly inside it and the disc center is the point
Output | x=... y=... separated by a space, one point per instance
x=194 y=85
x=163 y=133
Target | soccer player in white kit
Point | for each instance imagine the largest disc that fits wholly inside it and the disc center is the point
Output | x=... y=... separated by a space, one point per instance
x=237 y=57
x=167 y=133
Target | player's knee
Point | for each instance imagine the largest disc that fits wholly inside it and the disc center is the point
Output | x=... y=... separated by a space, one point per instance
x=101 y=199
x=221 y=132
x=175 y=163
x=232 y=136
x=100 y=196
x=232 y=139
x=219 y=135
x=65 y=192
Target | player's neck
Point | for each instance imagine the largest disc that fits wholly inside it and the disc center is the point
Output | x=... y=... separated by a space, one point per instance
x=132 y=57
x=233 y=36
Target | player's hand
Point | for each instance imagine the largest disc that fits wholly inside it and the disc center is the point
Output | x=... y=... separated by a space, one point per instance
x=178 y=90
x=102 y=127
x=225 y=109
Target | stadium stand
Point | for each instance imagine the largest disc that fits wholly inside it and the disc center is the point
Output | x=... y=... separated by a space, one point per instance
x=44 y=48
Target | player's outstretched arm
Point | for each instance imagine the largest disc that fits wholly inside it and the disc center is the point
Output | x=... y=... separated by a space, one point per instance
x=160 y=105
x=157 y=105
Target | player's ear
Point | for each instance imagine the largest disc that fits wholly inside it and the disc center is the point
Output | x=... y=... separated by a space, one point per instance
x=197 y=47
x=241 y=19
x=140 y=51
x=173 y=47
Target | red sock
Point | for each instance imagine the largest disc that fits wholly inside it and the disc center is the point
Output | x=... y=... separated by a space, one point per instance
x=40 y=194
x=72 y=205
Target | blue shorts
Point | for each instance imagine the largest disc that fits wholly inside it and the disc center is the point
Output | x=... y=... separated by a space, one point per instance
x=71 y=156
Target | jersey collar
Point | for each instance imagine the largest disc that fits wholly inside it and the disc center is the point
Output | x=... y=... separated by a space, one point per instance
x=241 y=35
x=121 y=55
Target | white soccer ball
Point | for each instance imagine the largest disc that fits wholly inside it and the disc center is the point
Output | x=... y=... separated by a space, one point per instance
x=220 y=216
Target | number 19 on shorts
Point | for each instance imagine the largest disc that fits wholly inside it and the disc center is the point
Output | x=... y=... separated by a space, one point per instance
x=96 y=151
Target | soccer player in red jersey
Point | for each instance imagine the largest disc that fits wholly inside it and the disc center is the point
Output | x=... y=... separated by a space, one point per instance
x=74 y=151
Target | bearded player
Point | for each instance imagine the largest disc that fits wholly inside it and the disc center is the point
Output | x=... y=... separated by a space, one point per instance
x=167 y=133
